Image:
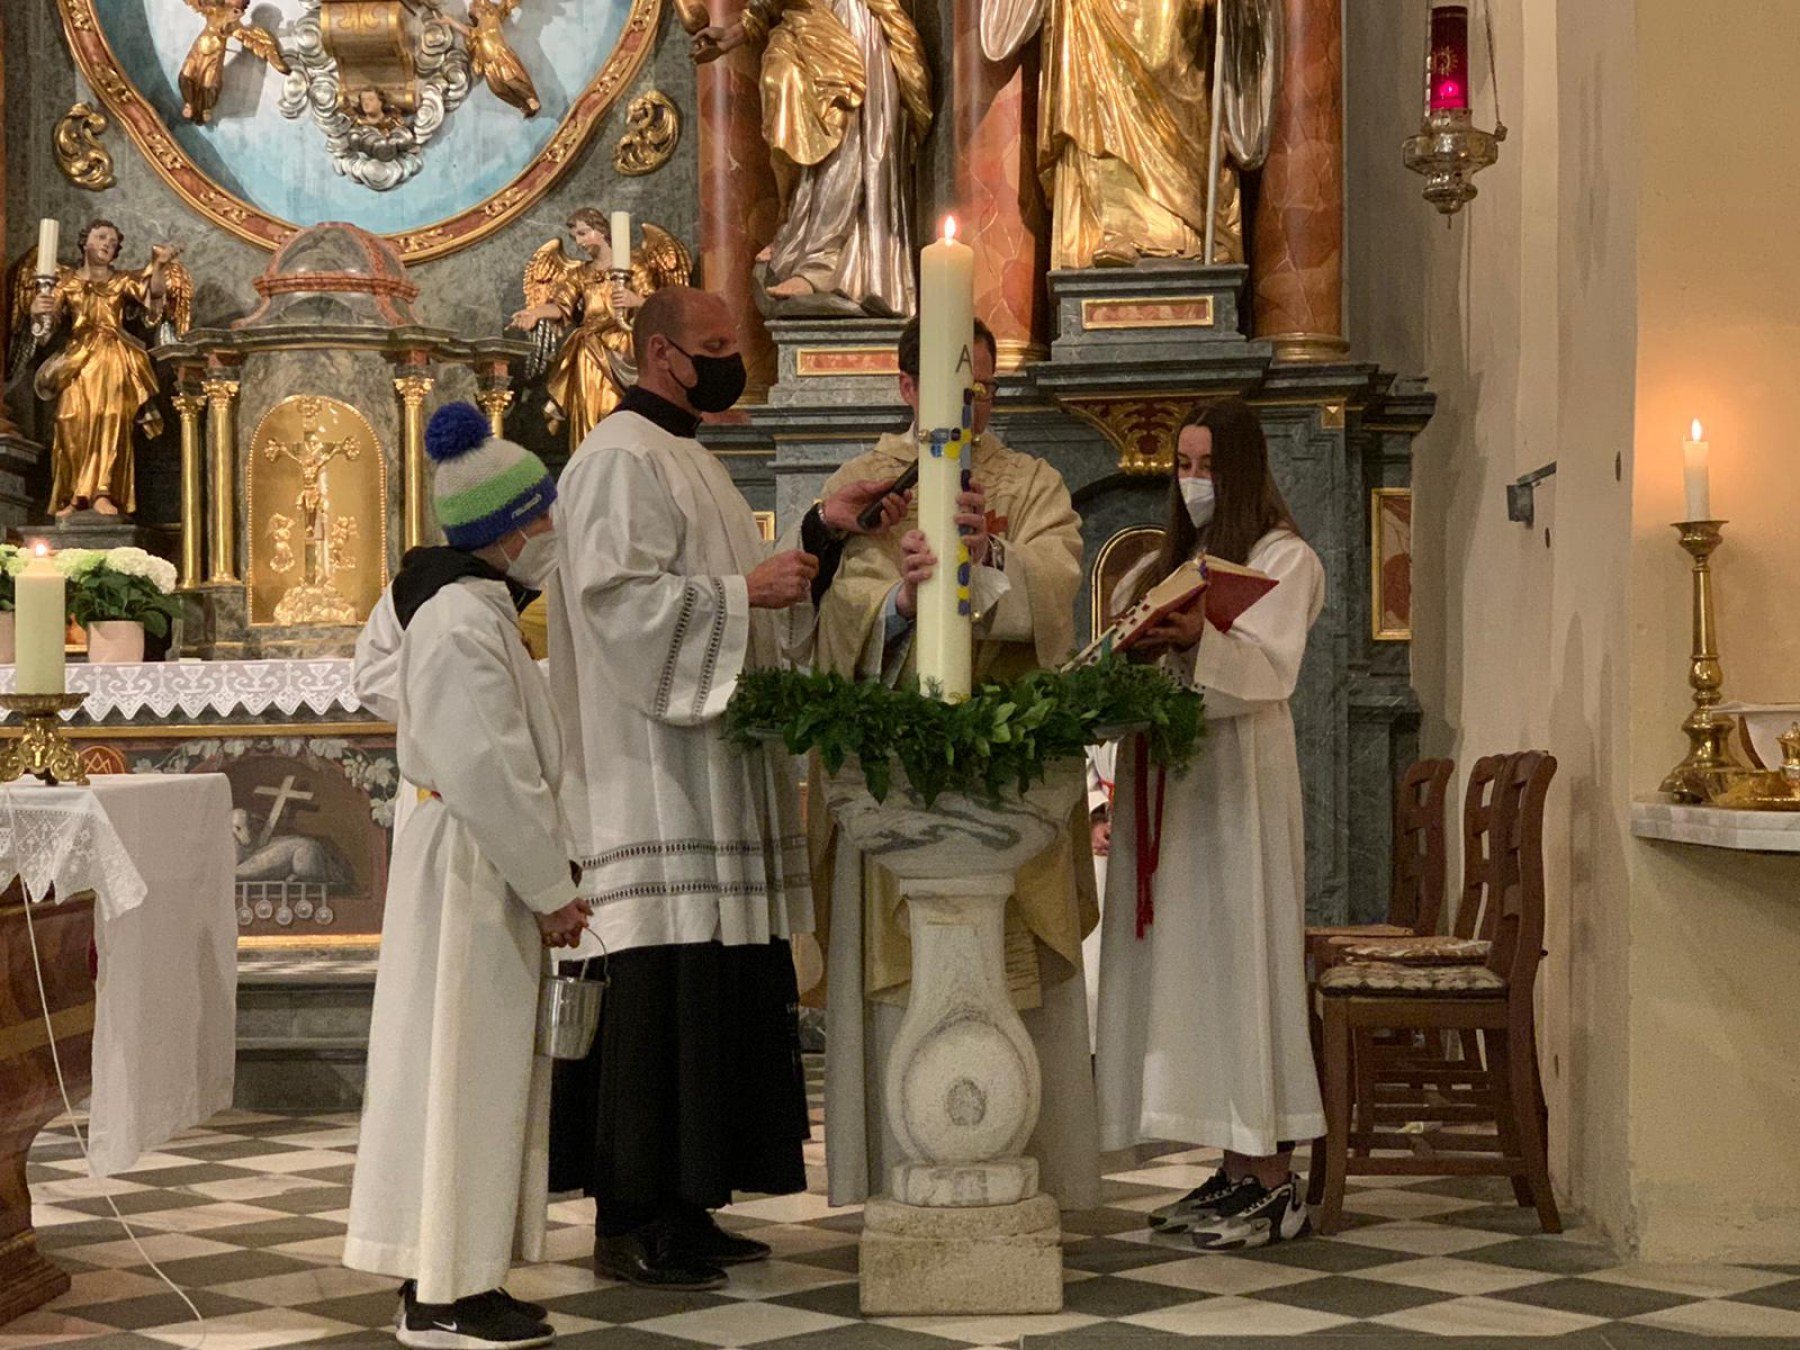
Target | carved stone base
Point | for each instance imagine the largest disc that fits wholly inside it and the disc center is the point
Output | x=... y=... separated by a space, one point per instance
x=1001 y=1259
x=90 y=529
x=19 y=458
x=1154 y=308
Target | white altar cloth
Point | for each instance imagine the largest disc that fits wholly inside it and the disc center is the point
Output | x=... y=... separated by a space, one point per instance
x=195 y=688
x=157 y=851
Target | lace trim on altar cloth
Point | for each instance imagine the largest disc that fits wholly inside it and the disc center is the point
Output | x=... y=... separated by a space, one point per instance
x=61 y=837
x=195 y=688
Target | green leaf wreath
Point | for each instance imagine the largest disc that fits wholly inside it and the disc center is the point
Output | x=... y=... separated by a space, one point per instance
x=1003 y=736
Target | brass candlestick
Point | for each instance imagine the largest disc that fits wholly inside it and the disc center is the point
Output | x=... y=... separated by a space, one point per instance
x=1708 y=733
x=42 y=749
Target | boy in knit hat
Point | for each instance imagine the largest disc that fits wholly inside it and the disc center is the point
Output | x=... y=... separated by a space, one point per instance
x=449 y=1177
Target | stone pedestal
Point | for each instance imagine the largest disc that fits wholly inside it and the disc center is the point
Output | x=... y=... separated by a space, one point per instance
x=19 y=459
x=90 y=529
x=919 y=1261
x=963 y=1228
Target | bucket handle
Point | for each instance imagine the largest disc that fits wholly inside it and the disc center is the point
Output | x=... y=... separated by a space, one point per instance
x=603 y=958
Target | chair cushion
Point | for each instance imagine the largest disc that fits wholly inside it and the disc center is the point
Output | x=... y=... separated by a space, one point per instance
x=1393 y=979
x=1433 y=950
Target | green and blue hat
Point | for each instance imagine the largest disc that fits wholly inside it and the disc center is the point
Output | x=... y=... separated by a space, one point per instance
x=484 y=487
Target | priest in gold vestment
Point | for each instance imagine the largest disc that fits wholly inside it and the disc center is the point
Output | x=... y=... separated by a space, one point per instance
x=1024 y=586
x=846 y=101
x=1125 y=119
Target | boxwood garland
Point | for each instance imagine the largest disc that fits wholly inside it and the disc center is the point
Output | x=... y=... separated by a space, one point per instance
x=1004 y=736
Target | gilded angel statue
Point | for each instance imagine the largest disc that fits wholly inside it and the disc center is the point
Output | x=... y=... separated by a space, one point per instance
x=100 y=378
x=203 y=72
x=591 y=367
x=491 y=55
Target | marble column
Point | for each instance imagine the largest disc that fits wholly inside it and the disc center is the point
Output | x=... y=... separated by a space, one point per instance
x=190 y=403
x=1298 y=259
x=994 y=118
x=7 y=428
x=413 y=385
x=221 y=389
x=738 y=206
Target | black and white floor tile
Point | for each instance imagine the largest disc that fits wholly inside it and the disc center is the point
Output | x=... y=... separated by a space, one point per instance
x=247 y=1215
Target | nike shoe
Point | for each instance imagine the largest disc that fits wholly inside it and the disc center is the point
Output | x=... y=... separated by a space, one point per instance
x=1198 y=1205
x=409 y=1291
x=487 y=1321
x=1255 y=1217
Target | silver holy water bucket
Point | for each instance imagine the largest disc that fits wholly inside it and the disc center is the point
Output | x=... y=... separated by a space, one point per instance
x=569 y=1013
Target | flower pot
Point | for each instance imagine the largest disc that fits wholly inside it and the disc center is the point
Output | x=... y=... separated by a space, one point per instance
x=115 y=642
x=8 y=634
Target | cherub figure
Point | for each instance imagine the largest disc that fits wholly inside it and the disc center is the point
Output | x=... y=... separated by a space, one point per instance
x=203 y=72
x=592 y=367
x=281 y=532
x=491 y=55
x=101 y=378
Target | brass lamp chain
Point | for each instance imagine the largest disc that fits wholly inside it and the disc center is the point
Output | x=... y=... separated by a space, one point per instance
x=1487 y=23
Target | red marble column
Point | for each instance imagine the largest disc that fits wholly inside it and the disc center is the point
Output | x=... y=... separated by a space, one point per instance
x=994 y=120
x=6 y=423
x=1298 y=259
x=738 y=206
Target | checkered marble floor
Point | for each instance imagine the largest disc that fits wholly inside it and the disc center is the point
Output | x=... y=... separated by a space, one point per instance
x=247 y=1214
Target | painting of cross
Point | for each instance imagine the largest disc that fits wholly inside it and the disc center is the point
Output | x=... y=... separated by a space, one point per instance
x=282 y=795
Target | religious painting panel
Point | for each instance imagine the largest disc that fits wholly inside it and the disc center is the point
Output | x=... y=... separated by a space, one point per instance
x=312 y=819
x=316 y=507
x=430 y=126
x=1390 y=554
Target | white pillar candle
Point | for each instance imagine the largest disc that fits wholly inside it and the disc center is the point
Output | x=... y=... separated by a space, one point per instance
x=1693 y=474
x=621 y=240
x=49 y=242
x=40 y=624
x=946 y=374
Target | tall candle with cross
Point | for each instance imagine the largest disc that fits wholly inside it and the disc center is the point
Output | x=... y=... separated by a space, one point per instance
x=946 y=394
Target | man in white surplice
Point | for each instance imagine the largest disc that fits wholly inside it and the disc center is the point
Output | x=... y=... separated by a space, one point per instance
x=693 y=853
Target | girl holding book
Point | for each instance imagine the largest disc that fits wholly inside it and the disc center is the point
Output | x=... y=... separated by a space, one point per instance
x=1203 y=1021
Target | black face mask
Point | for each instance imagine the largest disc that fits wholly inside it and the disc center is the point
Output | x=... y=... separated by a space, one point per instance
x=718 y=380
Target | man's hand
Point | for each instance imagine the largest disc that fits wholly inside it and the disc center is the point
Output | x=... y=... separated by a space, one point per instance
x=917 y=564
x=1102 y=841
x=563 y=927
x=840 y=510
x=971 y=521
x=783 y=580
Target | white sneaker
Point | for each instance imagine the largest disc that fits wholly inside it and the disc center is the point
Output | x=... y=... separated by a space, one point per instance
x=1255 y=1217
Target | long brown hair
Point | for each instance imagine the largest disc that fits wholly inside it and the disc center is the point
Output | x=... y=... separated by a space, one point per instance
x=1248 y=504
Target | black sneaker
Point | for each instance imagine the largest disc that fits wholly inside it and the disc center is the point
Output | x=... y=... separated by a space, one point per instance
x=409 y=1291
x=702 y=1236
x=1197 y=1206
x=1255 y=1217
x=479 y=1322
x=655 y=1257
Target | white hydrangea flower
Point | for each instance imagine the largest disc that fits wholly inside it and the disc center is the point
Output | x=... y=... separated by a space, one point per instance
x=77 y=562
x=135 y=562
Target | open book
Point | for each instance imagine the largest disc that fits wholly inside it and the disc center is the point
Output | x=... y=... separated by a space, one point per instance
x=1230 y=590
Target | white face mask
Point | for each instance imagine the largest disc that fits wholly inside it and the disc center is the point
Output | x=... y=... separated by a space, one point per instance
x=1198 y=494
x=536 y=562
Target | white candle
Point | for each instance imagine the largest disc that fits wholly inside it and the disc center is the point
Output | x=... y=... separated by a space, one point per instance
x=1693 y=474
x=49 y=241
x=41 y=620
x=946 y=373
x=621 y=240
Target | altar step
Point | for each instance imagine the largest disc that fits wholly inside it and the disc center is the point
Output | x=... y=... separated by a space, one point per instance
x=303 y=1030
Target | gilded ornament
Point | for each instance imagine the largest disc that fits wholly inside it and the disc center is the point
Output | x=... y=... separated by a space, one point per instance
x=492 y=58
x=1142 y=428
x=79 y=154
x=99 y=376
x=203 y=72
x=42 y=748
x=652 y=131
x=579 y=316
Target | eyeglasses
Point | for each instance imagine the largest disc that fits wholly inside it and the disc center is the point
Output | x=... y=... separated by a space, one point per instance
x=983 y=391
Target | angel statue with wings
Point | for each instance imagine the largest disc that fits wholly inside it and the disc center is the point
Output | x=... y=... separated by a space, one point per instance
x=491 y=56
x=203 y=72
x=101 y=378
x=592 y=367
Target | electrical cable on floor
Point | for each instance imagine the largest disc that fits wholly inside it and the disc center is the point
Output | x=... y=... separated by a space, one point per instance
x=63 y=1088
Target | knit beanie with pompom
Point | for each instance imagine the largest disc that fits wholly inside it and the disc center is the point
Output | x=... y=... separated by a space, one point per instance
x=484 y=487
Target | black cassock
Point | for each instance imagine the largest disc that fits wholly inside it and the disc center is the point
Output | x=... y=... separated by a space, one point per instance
x=694 y=1087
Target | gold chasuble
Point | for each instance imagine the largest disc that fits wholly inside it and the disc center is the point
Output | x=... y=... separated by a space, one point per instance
x=1030 y=627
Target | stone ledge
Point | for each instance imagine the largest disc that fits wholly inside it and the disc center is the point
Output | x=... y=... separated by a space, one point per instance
x=989 y=1260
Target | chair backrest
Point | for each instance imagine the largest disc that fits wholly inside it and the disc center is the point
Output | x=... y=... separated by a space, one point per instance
x=1421 y=846
x=1481 y=799
x=1516 y=869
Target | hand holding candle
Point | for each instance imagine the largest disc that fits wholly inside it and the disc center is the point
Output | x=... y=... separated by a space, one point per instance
x=41 y=620
x=1694 y=474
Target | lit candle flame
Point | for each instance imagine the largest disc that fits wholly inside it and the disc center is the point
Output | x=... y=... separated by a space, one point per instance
x=40 y=549
x=949 y=228
x=1695 y=431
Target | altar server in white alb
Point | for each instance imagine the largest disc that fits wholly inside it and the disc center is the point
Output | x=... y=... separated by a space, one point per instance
x=1203 y=1022
x=694 y=857
x=450 y=1171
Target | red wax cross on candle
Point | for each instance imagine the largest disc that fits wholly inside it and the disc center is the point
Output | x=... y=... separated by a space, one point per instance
x=1447 y=80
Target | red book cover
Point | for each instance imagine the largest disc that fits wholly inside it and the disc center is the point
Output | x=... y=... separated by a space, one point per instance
x=1230 y=590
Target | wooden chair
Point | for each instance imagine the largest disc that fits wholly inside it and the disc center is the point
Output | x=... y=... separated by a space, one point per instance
x=1487 y=1008
x=1416 y=894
